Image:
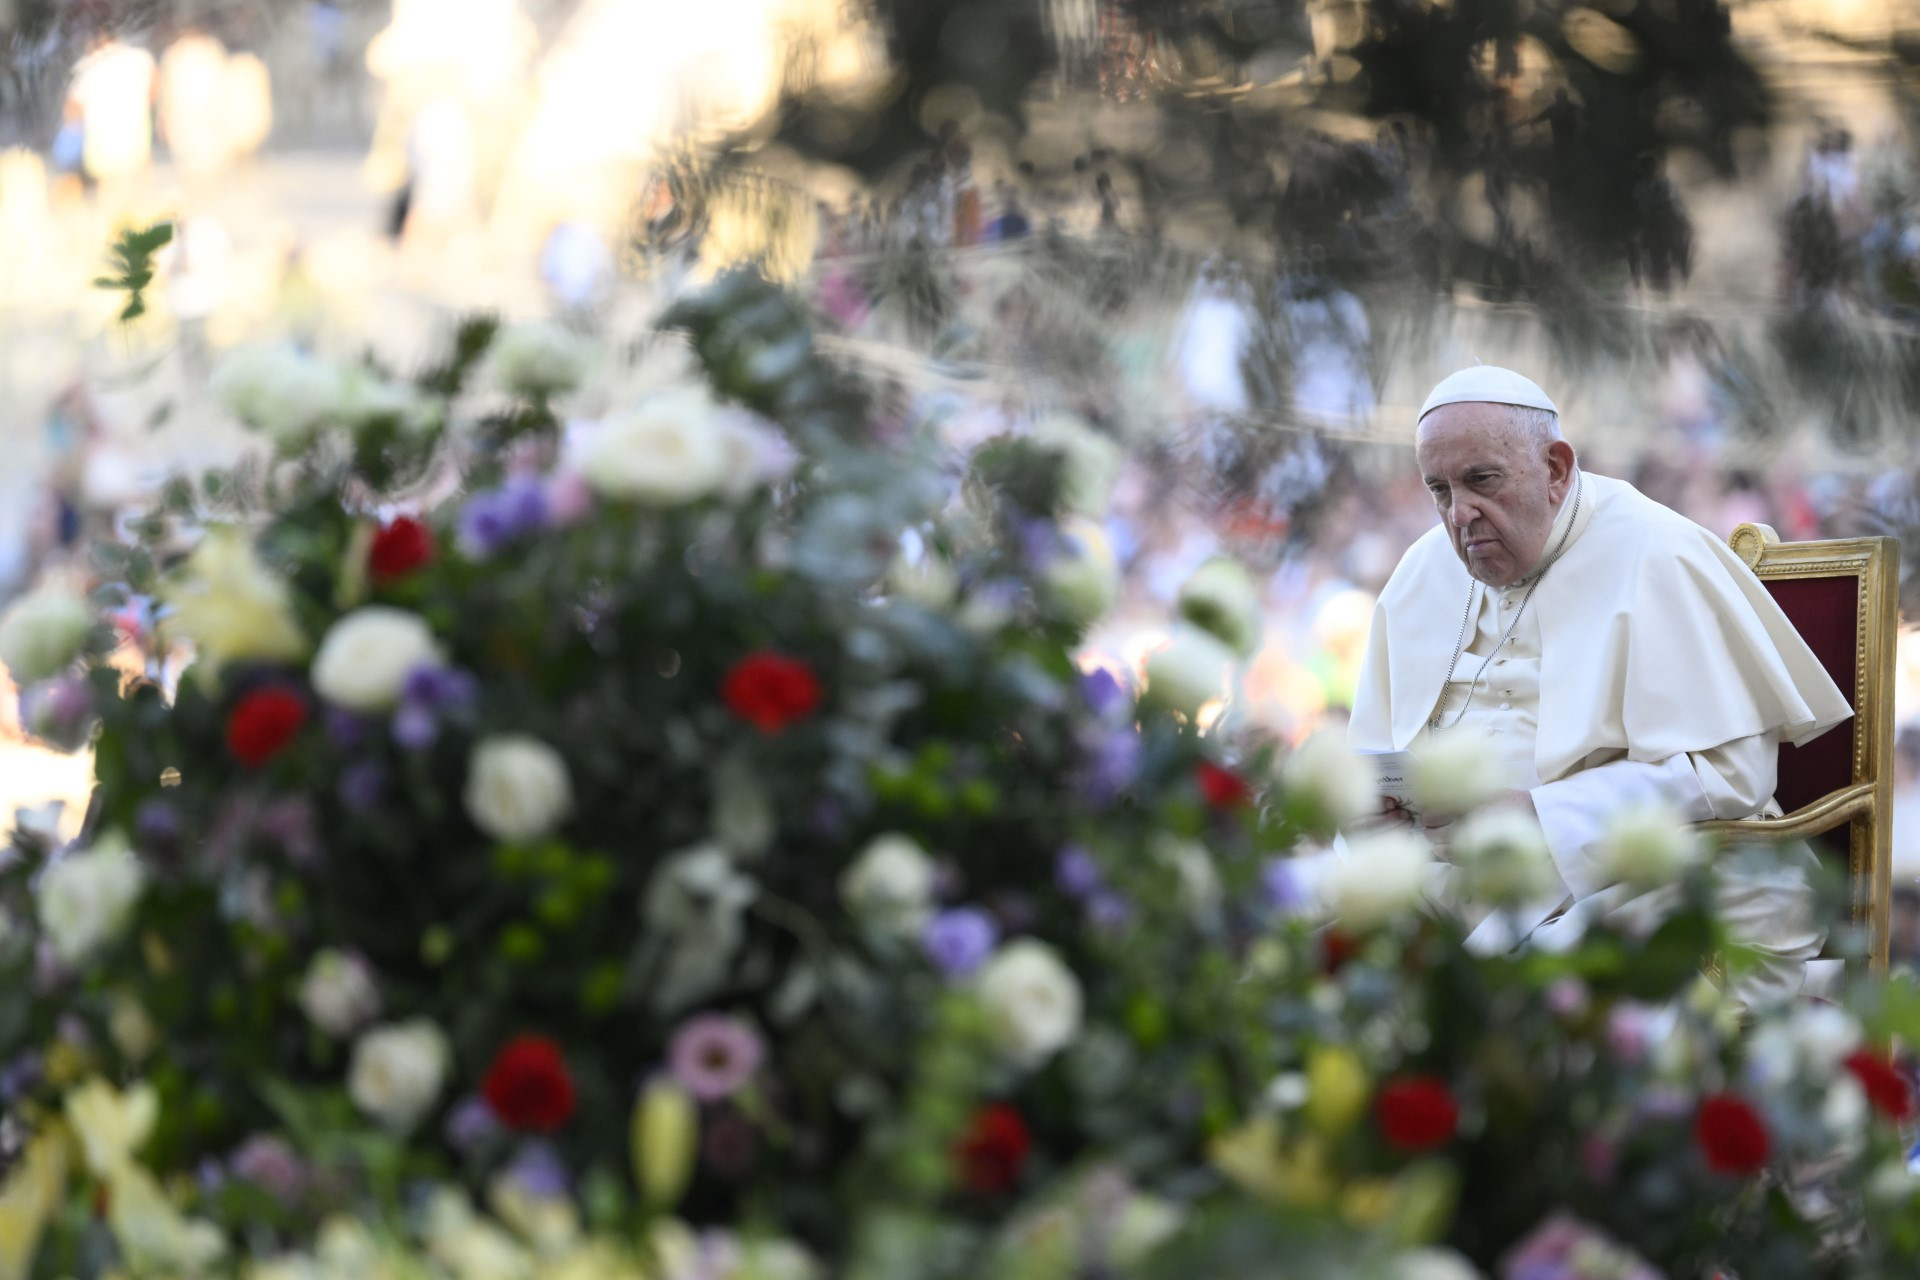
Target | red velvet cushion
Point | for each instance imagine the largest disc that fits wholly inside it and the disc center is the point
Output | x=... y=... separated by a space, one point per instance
x=1823 y=611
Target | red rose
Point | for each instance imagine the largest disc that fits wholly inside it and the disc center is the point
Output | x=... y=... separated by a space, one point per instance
x=1731 y=1134
x=1416 y=1113
x=1223 y=788
x=528 y=1086
x=400 y=547
x=1888 y=1090
x=263 y=723
x=770 y=690
x=993 y=1151
x=1336 y=948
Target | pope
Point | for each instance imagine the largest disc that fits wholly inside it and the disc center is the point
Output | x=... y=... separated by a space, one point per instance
x=1605 y=650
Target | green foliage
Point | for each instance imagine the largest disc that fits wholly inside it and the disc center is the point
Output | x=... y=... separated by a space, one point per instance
x=131 y=262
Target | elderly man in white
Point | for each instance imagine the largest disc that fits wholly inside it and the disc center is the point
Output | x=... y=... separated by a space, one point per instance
x=1606 y=650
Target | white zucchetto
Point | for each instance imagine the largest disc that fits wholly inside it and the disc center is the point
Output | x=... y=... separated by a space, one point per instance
x=1488 y=384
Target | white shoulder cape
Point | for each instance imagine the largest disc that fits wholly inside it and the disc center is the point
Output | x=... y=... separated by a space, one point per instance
x=1655 y=640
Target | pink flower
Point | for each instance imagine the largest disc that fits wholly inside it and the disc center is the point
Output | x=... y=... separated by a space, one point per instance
x=1628 y=1029
x=713 y=1055
x=568 y=498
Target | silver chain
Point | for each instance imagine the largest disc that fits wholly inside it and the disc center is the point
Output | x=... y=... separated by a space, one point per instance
x=1473 y=593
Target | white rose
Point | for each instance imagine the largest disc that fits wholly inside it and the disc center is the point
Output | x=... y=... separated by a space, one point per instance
x=1382 y=877
x=1844 y=1113
x=1503 y=854
x=1647 y=845
x=1433 y=1264
x=40 y=634
x=364 y=660
x=1221 y=598
x=517 y=787
x=541 y=359
x=230 y=606
x=757 y=455
x=1032 y=1002
x=890 y=884
x=1091 y=462
x=278 y=390
x=397 y=1071
x=1824 y=1034
x=364 y=396
x=1190 y=670
x=666 y=452
x=1455 y=774
x=1083 y=580
x=337 y=994
x=86 y=897
x=1331 y=779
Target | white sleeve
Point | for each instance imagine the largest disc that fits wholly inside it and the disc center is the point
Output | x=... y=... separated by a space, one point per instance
x=1733 y=780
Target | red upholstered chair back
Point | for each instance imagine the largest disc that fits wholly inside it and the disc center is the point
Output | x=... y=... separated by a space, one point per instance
x=1837 y=790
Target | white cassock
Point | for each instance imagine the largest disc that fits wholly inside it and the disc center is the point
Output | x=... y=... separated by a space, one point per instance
x=1650 y=666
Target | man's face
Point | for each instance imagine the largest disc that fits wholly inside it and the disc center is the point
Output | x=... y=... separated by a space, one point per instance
x=1496 y=487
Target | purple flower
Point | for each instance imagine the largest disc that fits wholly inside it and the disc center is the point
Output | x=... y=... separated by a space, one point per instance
x=436 y=688
x=494 y=517
x=1039 y=543
x=1113 y=761
x=156 y=825
x=59 y=712
x=270 y=1164
x=1280 y=884
x=713 y=1055
x=1077 y=872
x=1567 y=997
x=538 y=1169
x=361 y=786
x=1103 y=691
x=19 y=1075
x=524 y=500
x=1109 y=910
x=346 y=729
x=290 y=824
x=471 y=1125
x=1629 y=1028
x=415 y=727
x=959 y=941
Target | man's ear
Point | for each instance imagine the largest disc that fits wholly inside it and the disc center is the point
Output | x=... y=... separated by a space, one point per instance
x=1559 y=469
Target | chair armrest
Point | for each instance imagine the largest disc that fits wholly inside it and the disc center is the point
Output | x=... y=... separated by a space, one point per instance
x=1823 y=815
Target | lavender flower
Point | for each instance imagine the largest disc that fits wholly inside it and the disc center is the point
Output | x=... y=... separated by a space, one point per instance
x=1077 y=873
x=1113 y=761
x=362 y=784
x=346 y=729
x=156 y=826
x=1280 y=884
x=430 y=691
x=1103 y=692
x=960 y=941
x=1109 y=910
x=495 y=517
x=713 y=1056
x=538 y=1169
x=19 y=1075
x=290 y=823
x=415 y=727
x=471 y=1125
x=270 y=1164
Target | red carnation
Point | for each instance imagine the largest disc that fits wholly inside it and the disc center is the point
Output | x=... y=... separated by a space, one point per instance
x=1731 y=1134
x=528 y=1086
x=1416 y=1113
x=770 y=690
x=993 y=1151
x=1223 y=788
x=263 y=723
x=401 y=546
x=1888 y=1090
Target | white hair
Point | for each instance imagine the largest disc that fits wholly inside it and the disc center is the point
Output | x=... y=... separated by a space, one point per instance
x=1541 y=427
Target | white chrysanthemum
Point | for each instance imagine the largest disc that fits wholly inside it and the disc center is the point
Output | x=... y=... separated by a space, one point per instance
x=517 y=788
x=397 y=1072
x=86 y=896
x=1503 y=854
x=338 y=994
x=541 y=359
x=1221 y=598
x=40 y=633
x=890 y=885
x=230 y=605
x=1331 y=779
x=277 y=390
x=1092 y=462
x=1032 y=1001
x=667 y=452
x=1455 y=774
x=1647 y=845
x=1383 y=877
x=366 y=657
x=1083 y=580
x=1190 y=670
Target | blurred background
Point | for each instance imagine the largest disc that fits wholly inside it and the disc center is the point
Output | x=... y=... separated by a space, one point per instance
x=1224 y=246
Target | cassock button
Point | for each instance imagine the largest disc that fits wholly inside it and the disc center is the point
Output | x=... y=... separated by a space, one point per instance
x=1506 y=706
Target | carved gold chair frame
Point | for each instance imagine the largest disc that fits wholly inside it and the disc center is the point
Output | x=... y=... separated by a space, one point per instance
x=1864 y=806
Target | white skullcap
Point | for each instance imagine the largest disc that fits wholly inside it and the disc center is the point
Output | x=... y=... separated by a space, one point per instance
x=1488 y=384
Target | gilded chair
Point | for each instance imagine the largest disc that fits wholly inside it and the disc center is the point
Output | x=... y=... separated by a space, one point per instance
x=1837 y=791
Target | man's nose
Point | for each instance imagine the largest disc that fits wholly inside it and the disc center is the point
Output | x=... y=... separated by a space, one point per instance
x=1462 y=513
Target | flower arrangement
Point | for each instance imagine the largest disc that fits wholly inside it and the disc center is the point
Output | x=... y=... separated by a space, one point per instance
x=627 y=866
